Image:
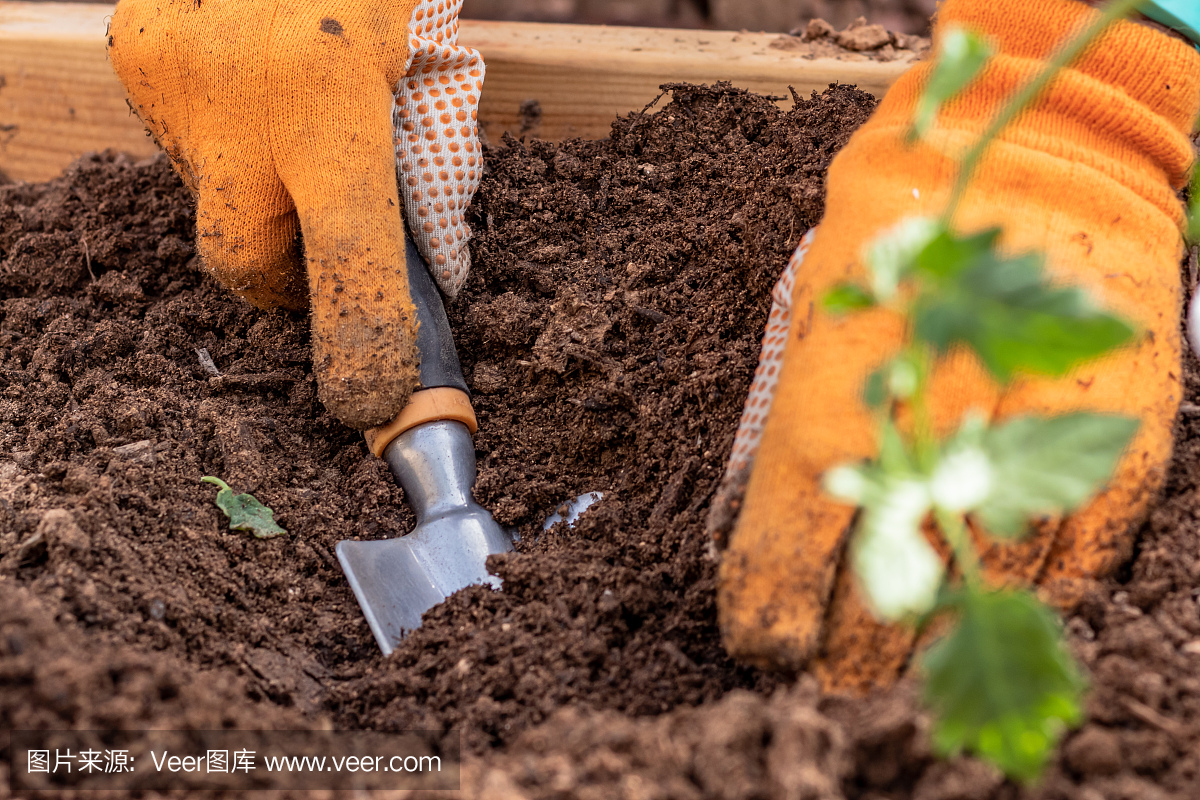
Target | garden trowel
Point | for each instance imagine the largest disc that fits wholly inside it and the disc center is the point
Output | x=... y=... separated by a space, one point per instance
x=398 y=580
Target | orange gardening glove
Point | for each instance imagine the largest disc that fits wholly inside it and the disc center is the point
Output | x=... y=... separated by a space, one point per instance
x=279 y=116
x=1088 y=176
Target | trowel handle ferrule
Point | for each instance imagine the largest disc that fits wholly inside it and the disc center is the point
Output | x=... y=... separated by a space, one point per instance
x=435 y=465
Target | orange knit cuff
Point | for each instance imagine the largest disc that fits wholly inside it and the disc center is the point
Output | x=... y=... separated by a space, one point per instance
x=427 y=405
x=1123 y=110
x=1152 y=70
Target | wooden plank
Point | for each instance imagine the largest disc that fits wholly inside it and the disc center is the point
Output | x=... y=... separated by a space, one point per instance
x=60 y=99
x=584 y=76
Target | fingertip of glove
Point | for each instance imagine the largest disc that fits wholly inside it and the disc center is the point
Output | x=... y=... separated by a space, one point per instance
x=366 y=364
x=786 y=656
x=1067 y=593
x=363 y=403
x=757 y=631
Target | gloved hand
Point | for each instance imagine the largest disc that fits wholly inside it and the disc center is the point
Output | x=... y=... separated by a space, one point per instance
x=279 y=117
x=1088 y=176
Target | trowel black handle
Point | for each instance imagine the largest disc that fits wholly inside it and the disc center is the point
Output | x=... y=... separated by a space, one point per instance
x=439 y=359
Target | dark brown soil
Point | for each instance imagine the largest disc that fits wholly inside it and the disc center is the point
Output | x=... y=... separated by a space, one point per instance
x=609 y=333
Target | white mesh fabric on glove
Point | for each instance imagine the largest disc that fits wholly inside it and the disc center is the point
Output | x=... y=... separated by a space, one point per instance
x=438 y=158
x=746 y=441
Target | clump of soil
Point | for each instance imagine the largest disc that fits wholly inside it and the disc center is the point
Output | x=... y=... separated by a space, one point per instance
x=53 y=679
x=858 y=41
x=609 y=333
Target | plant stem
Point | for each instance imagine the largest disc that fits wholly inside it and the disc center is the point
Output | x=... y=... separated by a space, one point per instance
x=1029 y=93
x=217 y=481
x=924 y=444
x=954 y=529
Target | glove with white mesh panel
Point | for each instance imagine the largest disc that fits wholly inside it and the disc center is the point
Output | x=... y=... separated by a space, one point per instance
x=437 y=144
x=1088 y=176
x=286 y=120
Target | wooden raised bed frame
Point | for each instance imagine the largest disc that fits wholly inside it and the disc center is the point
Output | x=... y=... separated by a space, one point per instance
x=59 y=97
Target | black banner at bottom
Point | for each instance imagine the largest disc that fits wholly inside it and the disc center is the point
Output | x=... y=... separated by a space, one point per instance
x=232 y=760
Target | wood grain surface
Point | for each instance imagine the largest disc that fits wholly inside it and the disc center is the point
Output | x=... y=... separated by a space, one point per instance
x=60 y=99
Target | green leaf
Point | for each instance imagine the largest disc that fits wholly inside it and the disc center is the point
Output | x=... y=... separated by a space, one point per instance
x=847 y=297
x=895 y=460
x=1007 y=312
x=899 y=572
x=961 y=58
x=244 y=511
x=898 y=379
x=875 y=391
x=1048 y=466
x=1001 y=683
x=897 y=569
x=849 y=482
x=892 y=254
x=947 y=256
x=964 y=476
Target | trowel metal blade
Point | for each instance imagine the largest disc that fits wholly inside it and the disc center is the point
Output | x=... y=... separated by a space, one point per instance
x=397 y=580
x=391 y=586
x=573 y=510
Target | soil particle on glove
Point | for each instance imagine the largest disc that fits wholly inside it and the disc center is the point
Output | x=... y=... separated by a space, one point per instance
x=609 y=333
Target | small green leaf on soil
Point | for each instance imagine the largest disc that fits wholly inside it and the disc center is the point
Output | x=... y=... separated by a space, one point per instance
x=245 y=512
x=1002 y=683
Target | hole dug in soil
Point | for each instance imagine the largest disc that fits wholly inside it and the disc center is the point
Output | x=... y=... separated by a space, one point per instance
x=609 y=333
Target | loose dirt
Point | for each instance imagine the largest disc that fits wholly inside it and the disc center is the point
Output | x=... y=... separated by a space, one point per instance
x=858 y=41
x=609 y=333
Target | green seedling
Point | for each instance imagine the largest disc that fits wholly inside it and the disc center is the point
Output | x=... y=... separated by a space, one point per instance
x=1000 y=681
x=245 y=512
